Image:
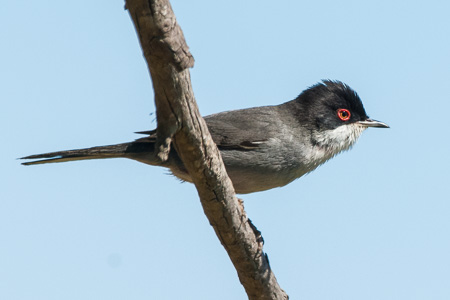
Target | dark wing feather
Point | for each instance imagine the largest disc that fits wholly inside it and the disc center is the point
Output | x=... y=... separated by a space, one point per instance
x=244 y=129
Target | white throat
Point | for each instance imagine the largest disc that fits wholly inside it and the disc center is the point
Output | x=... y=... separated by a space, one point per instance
x=328 y=143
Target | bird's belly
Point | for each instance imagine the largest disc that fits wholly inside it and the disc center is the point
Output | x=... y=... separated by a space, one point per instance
x=251 y=172
x=255 y=174
x=248 y=182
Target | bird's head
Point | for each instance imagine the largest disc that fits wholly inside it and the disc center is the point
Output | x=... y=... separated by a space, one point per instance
x=334 y=115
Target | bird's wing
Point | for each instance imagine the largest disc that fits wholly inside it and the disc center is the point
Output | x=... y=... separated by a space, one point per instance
x=245 y=129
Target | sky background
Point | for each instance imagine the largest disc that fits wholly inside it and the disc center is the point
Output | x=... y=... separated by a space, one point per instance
x=373 y=223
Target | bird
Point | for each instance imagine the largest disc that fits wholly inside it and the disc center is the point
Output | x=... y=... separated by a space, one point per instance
x=261 y=147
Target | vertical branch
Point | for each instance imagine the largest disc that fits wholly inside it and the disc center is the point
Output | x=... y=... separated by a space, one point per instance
x=180 y=124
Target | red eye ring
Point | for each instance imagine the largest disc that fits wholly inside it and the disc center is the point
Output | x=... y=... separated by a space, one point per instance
x=343 y=114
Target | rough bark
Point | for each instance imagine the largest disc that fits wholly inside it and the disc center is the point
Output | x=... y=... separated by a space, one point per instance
x=180 y=125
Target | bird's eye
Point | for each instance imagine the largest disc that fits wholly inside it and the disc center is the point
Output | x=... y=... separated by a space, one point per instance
x=343 y=114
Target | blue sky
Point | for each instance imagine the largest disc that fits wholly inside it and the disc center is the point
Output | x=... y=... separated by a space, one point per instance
x=373 y=223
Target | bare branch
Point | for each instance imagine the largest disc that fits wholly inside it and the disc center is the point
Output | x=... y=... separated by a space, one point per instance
x=179 y=121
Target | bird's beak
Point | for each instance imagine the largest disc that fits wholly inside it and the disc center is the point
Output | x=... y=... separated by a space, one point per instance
x=373 y=123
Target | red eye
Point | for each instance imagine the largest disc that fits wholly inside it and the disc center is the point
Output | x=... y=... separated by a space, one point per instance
x=343 y=114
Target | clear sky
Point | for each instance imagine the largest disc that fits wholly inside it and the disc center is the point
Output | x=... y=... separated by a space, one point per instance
x=373 y=223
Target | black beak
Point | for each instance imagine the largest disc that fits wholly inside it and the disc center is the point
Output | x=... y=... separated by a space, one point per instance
x=373 y=123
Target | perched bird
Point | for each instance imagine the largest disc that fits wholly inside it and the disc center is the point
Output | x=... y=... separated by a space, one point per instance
x=262 y=147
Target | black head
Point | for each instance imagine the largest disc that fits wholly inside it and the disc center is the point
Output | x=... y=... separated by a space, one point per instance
x=330 y=104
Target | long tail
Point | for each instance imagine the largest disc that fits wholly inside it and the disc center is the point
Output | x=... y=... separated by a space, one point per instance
x=134 y=150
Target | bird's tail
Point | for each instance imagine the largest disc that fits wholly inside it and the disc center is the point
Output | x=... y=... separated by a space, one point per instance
x=133 y=150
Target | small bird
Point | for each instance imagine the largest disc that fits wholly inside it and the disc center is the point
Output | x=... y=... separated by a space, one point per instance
x=261 y=147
